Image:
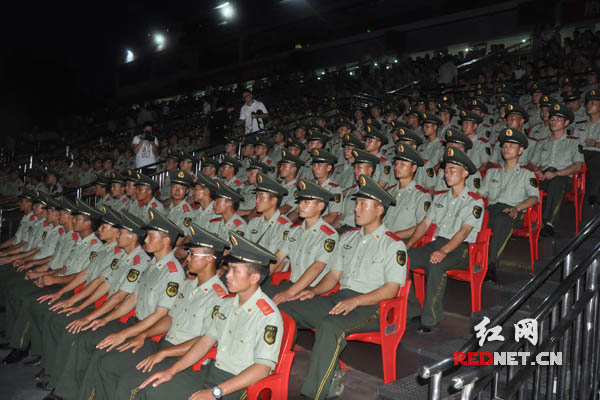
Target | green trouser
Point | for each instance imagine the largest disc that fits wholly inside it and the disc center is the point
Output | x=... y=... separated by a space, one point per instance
x=592 y=160
x=101 y=378
x=82 y=353
x=186 y=383
x=502 y=225
x=7 y=274
x=330 y=335
x=17 y=295
x=556 y=189
x=271 y=290
x=23 y=329
x=435 y=279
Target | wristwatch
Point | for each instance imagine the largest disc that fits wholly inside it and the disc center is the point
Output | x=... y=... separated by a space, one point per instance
x=217 y=392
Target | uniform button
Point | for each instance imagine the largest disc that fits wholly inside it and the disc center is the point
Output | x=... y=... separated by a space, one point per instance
x=230 y=331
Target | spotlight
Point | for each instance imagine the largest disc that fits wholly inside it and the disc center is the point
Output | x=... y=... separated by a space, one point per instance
x=160 y=40
x=130 y=56
x=227 y=10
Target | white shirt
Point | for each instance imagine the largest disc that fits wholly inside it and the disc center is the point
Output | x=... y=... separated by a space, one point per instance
x=145 y=156
x=246 y=115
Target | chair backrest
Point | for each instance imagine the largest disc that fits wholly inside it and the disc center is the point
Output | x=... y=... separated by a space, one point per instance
x=289 y=331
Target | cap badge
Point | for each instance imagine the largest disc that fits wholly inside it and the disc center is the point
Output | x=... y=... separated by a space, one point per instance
x=151 y=214
x=451 y=152
x=401 y=131
x=557 y=107
x=510 y=107
x=362 y=181
x=509 y=132
x=259 y=179
x=302 y=185
x=180 y=174
x=401 y=148
x=233 y=240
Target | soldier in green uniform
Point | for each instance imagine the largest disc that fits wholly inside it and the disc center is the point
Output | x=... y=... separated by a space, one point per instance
x=432 y=149
x=458 y=214
x=268 y=228
x=189 y=318
x=145 y=187
x=370 y=265
x=516 y=118
x=556 y=160
x=589 y=138
x=209 y=166
x=481 y=151
x=101 y=187
x=171 y=162
x=117 y=192
x=204 y=189
x=228 y=170
x=248 y=192
x=344 y=127
x=261 y=150
x=179 y=210
x=316 y=140
x=511 y=189
x=322 y=166
x=309 y=244
x=154 y=296
x=186 y=162
x=374 y=140
x=364 y=164
x=247 y=330
x=289 y=165
x=226 y=204
x=412 y=200
x=343 y=173
x=455 y=138
x=131 y=191
x=21 y=236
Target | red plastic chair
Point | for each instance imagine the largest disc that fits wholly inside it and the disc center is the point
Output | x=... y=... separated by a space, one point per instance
x=474 y=274
x=532 y=225
x=577 y=194
x=279 y=277
x=274 y=386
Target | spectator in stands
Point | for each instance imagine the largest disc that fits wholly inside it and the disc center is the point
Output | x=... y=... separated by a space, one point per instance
x=447 y=72
x=145 y=147
x=253 y=113
x=589 y=138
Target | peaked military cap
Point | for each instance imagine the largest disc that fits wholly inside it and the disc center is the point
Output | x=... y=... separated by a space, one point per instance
x=226 y=192
x=231 y=140
x=228 y=160
x=132 y=223
x=351 y=140
x=254 y=164
x=52 y=171
x=537 y=87
x=261 y=141
x=453 y=155
x=87 y=210
x=308 y=190
x=293 y=142
x=371 y=132
x=159 y=222
x=172 y=153
x=181 y=177
x=368 y=188
x=145 y=180
x=517 y=109
x=264 y=183
x=443 y=107
x=504 y=99
x=66 y=204
x=322 y=156
x=561 y=110
x=203 y=238
x=209 y=161
x=361 y=157
x=318 y=136
x=246 y=251
x=206 y=181
x=186 y=156
x=287 y=157
x=457 y=136
x=101 y=180
x=130 y=175
x=571 y=95
x=593 y=94
x=117 y=178
x=407 y=153
x=27 y=194
x=431 y=119
x=413 y=110
x=345 y=121
x=547 y=101
x=478 y=105
x=110 y=216
x=510 y=135
x=466 y=115
x=52 y=203
x=373 y=123
x=40 y=197
x=410 y=135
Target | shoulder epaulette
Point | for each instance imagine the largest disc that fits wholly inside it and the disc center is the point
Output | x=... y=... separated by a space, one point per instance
x=440 y=192
x=572 y=137
x=483 y=140
x=494 y=166
x=140 y=203
x=32 y=218
x=264 y=306
x=332 y=184
x=327 y=230
x=124 y=200
x=172 y=266
x=474 y=195
x=93 y=242
x=527 y=168
x=383 y=159
x=421 y=188
x=46 y=223
x=186 y=208
x=256 y=216
x=219 y=290
x=216 y=219
x=154 y=204
x=61 y=231
x=282 y=220
x=117 y=249
x=296 y=224
x=353 y=186
x=238 y=182
x=75 y=236
x=351 y=230
x=388 y=188
x=229 y=296
x=137 y=259
x=196 y=206
x=393 y=236
x=237 y=222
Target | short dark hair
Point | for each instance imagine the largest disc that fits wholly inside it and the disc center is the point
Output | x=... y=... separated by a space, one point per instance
x=147 y=123
x=262 y=270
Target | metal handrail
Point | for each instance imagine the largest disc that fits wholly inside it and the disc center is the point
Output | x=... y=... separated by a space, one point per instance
x=564 y=258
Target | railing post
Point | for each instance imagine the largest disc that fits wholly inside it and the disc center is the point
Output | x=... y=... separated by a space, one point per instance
x=566 y=343
x=588 y=332
x=435 y=386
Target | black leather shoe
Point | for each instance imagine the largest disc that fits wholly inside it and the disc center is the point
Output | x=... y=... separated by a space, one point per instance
x=416 y=318
x=5 y=346
x=52 y=396
x=45 y=385
x=547 y=231
x=41 y=376
x=34 y=362
x=426 y=330
x=491 y=273
x=14 y=356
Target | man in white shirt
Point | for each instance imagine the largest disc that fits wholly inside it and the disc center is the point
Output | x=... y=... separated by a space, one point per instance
x=145 y=147
x=252 y=113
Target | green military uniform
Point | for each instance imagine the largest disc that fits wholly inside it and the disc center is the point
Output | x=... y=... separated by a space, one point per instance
x=366 y=262
x=139 y=209
x=248 y=192
x=431 y=149
x=360 y=157
x=289 y=199
x=506 y=189
x=591 y=154
x=107 y=199
x=322 y=156
x=555 y=155
x=449 y=213
x=165 y=190
x=218 y=225
x=181 y=214
x=246 y=334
